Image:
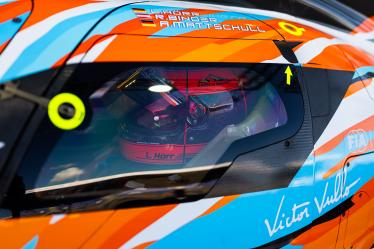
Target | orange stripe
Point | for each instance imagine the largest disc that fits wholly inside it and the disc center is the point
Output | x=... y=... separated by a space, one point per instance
x=316 y=232
x=353 y=88
x=366 y=125
x=2 y=46
x=318 y=236
x=14 y=9
x=47 y=8
x=223 y=52
x=223 y=202
x=329 y=54
x=144 y=245
x=135 y=225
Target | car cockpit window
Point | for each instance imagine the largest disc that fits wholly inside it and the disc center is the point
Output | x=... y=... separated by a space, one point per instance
x=156 y=132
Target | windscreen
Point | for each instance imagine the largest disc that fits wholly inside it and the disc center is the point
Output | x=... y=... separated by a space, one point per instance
x=156 y=127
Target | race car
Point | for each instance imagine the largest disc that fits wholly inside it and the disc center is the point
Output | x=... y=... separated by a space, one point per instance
x=175 y=124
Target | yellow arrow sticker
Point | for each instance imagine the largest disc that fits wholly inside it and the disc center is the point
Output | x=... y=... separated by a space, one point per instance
x=55 y=116
x=291 y=29
x=289 y=74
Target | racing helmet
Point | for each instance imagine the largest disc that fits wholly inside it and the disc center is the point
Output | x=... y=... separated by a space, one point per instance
x=179 y=111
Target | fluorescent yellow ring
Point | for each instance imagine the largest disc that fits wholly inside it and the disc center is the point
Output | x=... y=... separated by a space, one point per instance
x=55 y=117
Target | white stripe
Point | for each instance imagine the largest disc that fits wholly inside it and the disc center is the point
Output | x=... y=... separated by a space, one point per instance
x=365 y=36
x=28 y=36
x=76 y=59
x=96 y=50
x=56 y=218
x=370 y=88
x=144 y=16
x=352 y=110
x=142 y=173
x=314 y=48
x=279 y=60
x=176 y=218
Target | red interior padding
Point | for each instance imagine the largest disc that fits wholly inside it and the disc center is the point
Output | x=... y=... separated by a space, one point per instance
x=159 y=153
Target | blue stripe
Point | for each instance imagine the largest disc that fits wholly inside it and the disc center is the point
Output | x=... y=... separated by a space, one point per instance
x=305 y=175
x=241 y=223
x=292 y=247
x=9 y=28
x=363 y=70
x=46 y=51
x=32 y=243
x=6 y=2
x=119 y=16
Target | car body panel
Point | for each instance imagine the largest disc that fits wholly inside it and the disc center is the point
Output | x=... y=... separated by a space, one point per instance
x=14 y=15
x=45 y=232
x=305 y=214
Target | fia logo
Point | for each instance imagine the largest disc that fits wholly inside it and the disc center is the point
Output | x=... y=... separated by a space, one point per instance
x=357 y=140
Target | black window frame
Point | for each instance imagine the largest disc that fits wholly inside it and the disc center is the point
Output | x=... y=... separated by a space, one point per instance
x=240 y=147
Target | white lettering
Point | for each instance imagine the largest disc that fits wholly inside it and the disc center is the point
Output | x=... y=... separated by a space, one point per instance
x=164 y=24
x=249 y=26
x=190 y=25
x=358 y=140
x=260 y=30
x=217 y=26
x=179 y=24
x=173 y=18
x=159 y=17
x=226 y=27
x=234 y=27
x=299 y=212
x=341 y=191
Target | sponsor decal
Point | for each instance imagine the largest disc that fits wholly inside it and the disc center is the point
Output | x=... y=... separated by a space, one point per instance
x=191 y=20
x=145 y=19
x=333 y=194
x=139 y=11
x=287 y=218
x=357 y=140
x=336 y=193
x=147 y=23
x=291 y=29
x=159 y=156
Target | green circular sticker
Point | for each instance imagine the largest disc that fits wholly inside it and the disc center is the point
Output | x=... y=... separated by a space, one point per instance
x=55 y=117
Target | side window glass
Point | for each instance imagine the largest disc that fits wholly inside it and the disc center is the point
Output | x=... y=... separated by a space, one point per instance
x=152 y=130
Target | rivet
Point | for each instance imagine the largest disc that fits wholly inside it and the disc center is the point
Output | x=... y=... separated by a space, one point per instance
x=17 y=20
x=287 y=143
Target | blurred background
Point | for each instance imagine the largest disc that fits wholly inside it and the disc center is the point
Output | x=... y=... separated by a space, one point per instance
x=366 y=7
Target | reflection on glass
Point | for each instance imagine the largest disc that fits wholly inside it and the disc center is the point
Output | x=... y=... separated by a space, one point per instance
x=136 y=130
